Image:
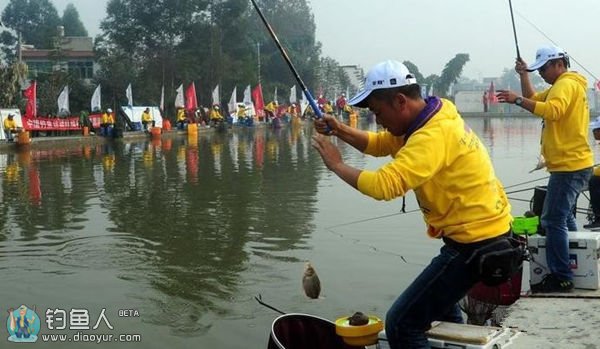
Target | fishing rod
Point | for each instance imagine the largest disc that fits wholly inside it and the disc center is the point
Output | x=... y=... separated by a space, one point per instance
x=554 y=43
x=512 y=18
x=287 y=59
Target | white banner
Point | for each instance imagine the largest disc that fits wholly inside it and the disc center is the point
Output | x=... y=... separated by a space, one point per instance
x=179 y=103
x=162 y=98
x=216 y=100
x=63 y=101
x=129 y=95
x=275 y=96
x=293 y=95
x=96 y=103
x=232 y=105
x=247 y=95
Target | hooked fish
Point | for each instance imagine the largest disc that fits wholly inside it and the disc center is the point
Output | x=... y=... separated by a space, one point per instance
x=311 y=282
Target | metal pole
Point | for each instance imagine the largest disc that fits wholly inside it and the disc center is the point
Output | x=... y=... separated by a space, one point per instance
x=258 y=57
x=19 y=48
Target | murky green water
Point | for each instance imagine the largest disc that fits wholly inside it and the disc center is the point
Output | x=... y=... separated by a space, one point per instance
x=188 y=234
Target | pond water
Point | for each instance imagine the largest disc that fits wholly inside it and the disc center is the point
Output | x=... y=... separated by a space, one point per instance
x=185 y=233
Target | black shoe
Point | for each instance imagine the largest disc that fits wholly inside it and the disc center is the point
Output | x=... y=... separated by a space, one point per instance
x=551 y=284
x=595 y=225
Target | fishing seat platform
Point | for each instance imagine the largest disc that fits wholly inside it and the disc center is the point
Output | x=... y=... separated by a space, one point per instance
x=451 y=335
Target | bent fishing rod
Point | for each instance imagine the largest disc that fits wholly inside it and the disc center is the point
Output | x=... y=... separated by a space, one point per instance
x=512 y=18
x=554 y=43
x=287 y=59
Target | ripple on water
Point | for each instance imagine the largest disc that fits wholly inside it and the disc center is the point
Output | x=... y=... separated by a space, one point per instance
x=102 y=252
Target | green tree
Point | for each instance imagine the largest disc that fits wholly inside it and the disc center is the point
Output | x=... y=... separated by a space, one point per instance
x=510 y=80
x=295 y=27
x=431 y=81
x=451 y=73
x=415 y=71
x=35 y=20
x=331 y=77
x=143 y=43
x=11 y=78
x=72 y=23
x=149 y=43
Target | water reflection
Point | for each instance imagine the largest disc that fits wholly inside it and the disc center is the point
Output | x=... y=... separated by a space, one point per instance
x=182 y=216
x=187 y=229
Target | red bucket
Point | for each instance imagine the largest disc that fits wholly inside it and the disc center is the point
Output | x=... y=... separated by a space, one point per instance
x=503 y=294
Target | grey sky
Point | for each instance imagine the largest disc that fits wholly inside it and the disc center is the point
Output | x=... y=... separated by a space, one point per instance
x=430 y=32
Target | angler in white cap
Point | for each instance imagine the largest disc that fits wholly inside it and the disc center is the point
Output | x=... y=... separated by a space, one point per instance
x=434 y=153
x=565 y=148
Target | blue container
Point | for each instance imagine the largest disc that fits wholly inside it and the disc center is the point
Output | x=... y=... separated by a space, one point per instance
x=136 y=126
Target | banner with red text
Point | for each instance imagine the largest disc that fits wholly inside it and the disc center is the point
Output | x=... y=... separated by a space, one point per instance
x=58 y=124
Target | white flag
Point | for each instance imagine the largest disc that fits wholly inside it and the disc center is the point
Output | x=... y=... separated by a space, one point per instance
x=247 y=96
x=232 y=105
x=63 y=101
x=96 y=104
x=293 y=95
x=129 y=95
x=179 y=103
x=424 y=91
x=162 y=98
x=216 y=100
x=303 y=104
x=275 y=96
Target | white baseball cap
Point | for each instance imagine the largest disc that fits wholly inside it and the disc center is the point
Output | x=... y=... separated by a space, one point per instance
x=387 y=74
x=545 y=54
x=594 y=124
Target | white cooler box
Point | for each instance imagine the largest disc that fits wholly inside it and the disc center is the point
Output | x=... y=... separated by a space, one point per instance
x=446 y=335
x=584 y=253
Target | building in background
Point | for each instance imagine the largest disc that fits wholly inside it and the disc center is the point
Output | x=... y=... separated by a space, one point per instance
x=356 y=75
x=74 y=54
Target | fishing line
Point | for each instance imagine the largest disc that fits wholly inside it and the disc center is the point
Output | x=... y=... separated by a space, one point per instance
x=519 y=191
x=372 y=219
x=552 y=41
x=371 y=247
x=527 y=182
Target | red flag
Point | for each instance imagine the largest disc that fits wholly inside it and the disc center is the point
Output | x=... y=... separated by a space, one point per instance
x=35 y=193
x=597 y=85
x=191 y=101
x=492 y=94
x=31 y=94
x=259 y=104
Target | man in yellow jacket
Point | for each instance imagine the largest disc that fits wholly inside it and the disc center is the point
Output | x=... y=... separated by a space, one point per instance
x=566 y=149
x=108 y=123
x=181 y=118
x=10 y=127
x=147 y=120
x=437 y=155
